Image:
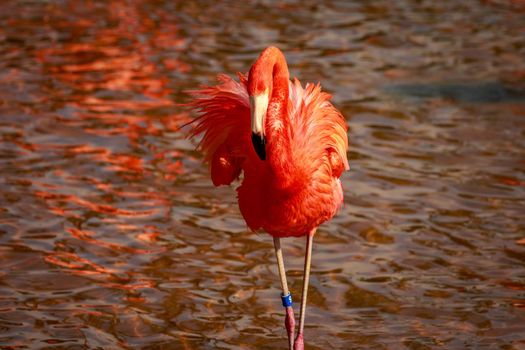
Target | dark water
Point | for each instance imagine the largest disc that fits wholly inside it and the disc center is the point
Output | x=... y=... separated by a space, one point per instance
x=112 y=236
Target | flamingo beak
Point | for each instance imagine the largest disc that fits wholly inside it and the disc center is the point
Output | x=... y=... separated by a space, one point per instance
x=258 y=107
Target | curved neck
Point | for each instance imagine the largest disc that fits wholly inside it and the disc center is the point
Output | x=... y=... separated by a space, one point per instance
x=277 y=118
x=269 y=76
x=278 y=129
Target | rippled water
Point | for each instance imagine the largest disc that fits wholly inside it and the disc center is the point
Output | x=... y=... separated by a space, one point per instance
x=112 y=236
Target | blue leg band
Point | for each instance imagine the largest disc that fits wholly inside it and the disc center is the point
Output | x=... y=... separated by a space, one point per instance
x=287 y=300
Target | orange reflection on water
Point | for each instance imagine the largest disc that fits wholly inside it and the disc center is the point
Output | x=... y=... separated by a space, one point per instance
x=97 y=208
x=110 y=67
x=87 y=237
x=115 y=162
x=76 y=264
x=107 y=277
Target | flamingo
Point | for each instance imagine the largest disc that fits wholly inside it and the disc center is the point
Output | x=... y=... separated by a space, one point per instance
x=289 y=142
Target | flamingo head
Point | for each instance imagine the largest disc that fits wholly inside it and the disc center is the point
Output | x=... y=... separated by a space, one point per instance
x=259 y=86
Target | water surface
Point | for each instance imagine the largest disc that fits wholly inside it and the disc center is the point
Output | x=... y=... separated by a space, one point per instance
x=112 y=235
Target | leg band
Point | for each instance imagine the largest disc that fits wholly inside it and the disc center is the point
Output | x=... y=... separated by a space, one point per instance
x=287 y=300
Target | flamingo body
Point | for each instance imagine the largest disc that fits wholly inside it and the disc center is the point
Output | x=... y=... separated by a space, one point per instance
x=297 y=187
x=290 y=145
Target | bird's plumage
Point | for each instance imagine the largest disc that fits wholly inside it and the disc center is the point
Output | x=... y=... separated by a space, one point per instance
x=289 y=143
x=316 y=144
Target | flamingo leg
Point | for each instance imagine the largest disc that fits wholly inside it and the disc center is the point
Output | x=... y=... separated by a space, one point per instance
x=299 y=341
x=289 y=321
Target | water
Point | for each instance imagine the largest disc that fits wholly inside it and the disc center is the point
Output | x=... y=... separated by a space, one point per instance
x=112 y=236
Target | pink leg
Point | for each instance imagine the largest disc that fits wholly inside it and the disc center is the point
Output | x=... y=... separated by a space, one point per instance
x=299 y=341
x=289 y=321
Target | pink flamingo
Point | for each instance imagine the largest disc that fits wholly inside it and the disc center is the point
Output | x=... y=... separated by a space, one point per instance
x=290 y=142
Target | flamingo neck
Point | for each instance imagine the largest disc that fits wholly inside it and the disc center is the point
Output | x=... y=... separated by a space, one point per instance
x=269 y=74
x=278 y=129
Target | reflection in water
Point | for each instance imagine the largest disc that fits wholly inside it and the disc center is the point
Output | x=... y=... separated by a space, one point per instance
x=111 y=234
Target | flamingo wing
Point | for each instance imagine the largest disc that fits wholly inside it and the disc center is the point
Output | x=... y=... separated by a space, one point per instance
x=224 y=122
x=320 y=131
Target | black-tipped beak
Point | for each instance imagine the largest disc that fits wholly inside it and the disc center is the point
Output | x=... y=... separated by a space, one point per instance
x=258 y=142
